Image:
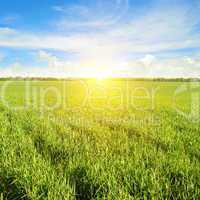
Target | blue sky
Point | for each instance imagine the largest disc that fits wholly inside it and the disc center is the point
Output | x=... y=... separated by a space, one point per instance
x=100 y=38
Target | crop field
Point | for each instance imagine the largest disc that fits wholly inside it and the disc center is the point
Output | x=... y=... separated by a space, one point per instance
x=83 y=139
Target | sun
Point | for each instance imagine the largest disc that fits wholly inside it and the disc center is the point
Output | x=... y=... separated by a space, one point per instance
x=101 y=75
x=99 y=69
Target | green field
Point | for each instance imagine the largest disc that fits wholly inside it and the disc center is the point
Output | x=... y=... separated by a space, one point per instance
x=99 y=139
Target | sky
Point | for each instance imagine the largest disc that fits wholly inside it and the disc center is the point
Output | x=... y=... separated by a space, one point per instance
x=101 y=38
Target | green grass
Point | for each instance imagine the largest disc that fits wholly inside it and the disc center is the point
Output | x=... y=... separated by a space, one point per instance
x=111 y=139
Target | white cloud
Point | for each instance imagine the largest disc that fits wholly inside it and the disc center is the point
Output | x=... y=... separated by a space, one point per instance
x=190 y=61
x=46 y=56
x=151 y=66
x=54 y=63
x=147 y=66
x=17 y=69
x=163 y=28
x=6 y=32
x=92 y=14
x=159 y=29
x=148 y=60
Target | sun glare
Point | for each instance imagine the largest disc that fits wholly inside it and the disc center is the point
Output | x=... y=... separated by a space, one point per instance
x=100 y=68
x=101 y=75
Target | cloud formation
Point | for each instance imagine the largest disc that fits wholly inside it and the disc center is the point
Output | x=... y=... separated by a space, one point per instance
x=115 y=35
